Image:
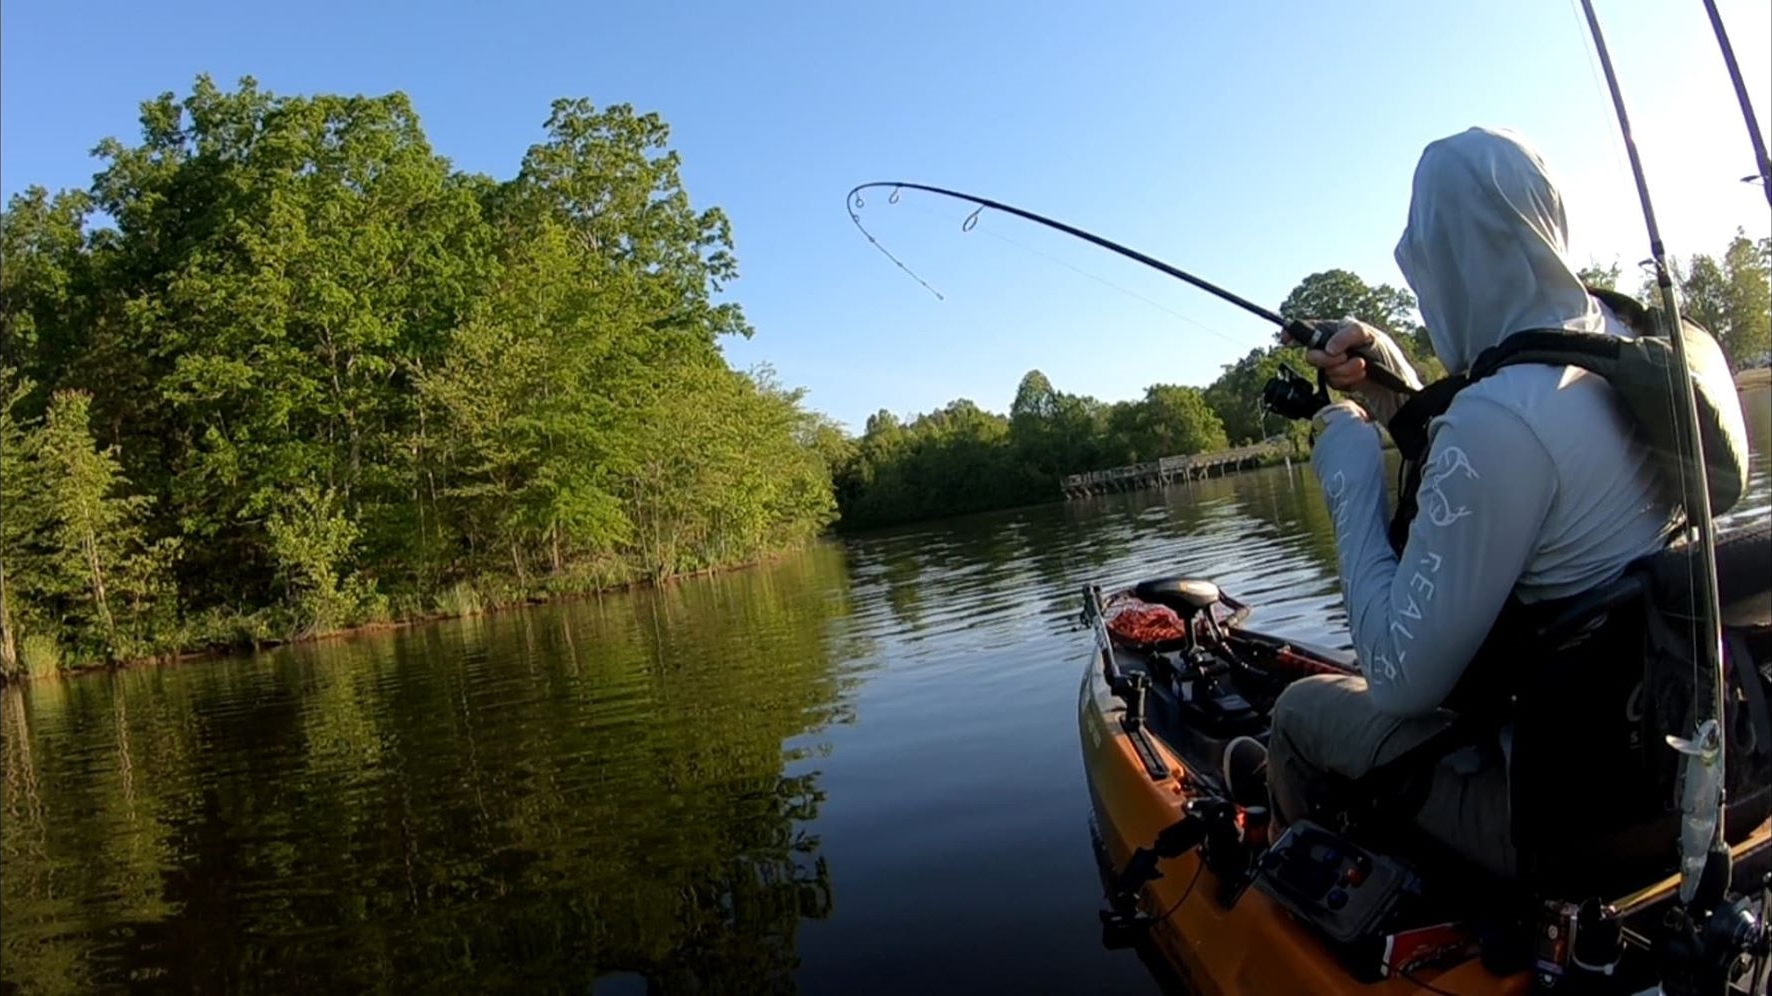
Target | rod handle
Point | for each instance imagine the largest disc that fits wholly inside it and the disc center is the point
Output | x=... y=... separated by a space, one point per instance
x=1315 y=333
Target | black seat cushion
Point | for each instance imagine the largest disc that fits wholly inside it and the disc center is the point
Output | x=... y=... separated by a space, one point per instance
x=1185 y=595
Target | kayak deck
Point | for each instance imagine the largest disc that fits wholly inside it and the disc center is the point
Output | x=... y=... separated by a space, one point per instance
x=1217 y=934
x=1251 y=947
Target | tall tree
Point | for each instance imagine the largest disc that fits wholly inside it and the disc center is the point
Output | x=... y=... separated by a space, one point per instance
x=1731 y=297
x=19 y=512
x=292 y=257
x=45 y=282
x=612 y=178
x=97 y=569
x=1035 y=400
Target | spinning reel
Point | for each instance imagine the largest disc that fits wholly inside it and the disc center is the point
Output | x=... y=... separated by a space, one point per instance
x=1293 y=395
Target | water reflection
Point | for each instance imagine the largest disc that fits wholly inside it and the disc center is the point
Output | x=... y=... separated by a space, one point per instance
x=531 y=799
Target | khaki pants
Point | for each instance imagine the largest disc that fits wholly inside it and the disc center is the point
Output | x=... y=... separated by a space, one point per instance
x=1326 y=725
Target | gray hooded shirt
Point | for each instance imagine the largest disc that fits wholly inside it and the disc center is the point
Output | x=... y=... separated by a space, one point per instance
x=1532 y=483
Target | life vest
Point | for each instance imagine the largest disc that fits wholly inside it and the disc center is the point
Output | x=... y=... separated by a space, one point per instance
x=1591 y=685
x=1640 y=371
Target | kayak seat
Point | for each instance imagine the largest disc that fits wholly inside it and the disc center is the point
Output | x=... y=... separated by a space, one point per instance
x=1588 y=813
x=1584 y=823
x=1186 y=596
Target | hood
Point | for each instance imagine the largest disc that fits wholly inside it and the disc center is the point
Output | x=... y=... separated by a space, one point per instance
x=1486 y=247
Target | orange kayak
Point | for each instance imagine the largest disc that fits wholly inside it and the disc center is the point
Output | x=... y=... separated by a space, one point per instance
x=1154 y=719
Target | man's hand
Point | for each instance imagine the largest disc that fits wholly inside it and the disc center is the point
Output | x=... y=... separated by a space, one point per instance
x=1345 y=372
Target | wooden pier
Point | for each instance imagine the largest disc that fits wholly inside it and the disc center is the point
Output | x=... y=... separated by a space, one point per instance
x=1168 y=470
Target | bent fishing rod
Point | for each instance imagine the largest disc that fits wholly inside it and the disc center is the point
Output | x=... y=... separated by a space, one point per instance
x=1312 y=334
x=1761 y=162
x=1704 y=862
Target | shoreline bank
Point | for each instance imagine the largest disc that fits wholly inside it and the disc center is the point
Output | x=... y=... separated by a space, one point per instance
x=212 y=652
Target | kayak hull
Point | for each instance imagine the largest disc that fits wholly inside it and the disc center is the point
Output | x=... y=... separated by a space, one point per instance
x=1253 y=947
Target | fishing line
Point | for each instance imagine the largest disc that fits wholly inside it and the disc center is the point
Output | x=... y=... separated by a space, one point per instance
x=1313 y=334
x=856 y=203
x=1129 y=292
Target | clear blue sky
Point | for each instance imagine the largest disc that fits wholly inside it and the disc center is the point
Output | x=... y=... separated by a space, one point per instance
x=1251 y=143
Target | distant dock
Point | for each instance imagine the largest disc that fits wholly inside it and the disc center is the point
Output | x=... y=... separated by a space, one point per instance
x=1168 y=470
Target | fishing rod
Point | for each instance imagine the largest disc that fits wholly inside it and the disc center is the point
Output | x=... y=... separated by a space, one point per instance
x=1704 y=853
x=1312 y=334
x=1747 y=107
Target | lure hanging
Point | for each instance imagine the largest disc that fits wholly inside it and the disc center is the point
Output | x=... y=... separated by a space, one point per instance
x=1311 y=334
x=1705 y=856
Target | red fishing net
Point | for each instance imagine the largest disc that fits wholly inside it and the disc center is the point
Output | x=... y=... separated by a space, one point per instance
x=1144 y=624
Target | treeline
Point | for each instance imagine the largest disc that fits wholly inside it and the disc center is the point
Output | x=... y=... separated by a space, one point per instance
x=281 y=369
x=963 y=459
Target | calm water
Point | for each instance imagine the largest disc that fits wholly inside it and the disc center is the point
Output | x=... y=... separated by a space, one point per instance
x=854 y=771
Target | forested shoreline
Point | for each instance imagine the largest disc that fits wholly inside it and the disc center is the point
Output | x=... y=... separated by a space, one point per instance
x=281 y=370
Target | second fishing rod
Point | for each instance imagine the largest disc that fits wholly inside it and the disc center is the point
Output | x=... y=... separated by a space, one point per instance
x=1312 y=334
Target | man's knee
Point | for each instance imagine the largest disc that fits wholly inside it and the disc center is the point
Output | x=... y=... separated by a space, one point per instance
x=1299 y=751
x=1330 y=722
x=1307 y=701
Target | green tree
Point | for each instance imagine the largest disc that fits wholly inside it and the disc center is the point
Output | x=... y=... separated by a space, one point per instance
x=1600 y=277
x=88 y=552
x=287 y=260
x=1035 y=400
x=611 y=176
x=525 y=415
x=1173 y=421
x=45 y=282
x=314 y=544
x=19 y=513
x=723 y=473
x=1055 y=433
x=1732 y=299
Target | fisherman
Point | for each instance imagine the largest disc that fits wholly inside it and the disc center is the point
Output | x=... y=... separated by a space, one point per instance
x=1532 y=486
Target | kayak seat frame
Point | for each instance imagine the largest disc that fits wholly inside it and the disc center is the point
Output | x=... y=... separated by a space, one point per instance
x=1574 y=856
